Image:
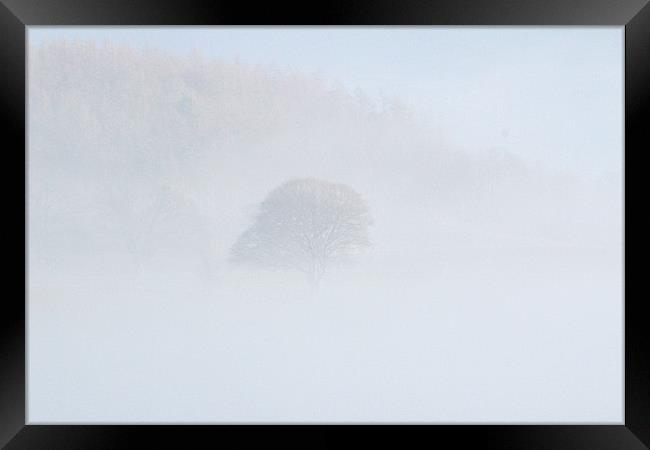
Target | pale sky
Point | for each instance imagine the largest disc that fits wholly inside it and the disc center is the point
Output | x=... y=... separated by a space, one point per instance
x=553 y=95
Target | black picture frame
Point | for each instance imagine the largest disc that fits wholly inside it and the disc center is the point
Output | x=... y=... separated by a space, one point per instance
x=16 y=15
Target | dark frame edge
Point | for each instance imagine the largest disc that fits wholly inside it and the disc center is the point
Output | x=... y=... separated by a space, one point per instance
x=12 y=328
x=348 y=12
x=637 y=113
x=501 y=437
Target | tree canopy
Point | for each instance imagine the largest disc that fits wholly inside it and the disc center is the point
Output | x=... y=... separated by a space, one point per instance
x=306 y=225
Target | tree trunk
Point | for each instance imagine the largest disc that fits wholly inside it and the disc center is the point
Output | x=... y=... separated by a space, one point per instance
x=315 y=275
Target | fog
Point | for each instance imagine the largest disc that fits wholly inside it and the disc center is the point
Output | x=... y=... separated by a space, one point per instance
x=490 y=291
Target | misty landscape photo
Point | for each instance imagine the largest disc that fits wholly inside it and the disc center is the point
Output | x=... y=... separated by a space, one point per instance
x=325 y=225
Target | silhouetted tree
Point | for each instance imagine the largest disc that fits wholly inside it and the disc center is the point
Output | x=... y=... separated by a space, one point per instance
x=306 y=225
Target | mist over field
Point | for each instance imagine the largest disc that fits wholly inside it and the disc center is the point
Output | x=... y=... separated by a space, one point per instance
x=478 y=286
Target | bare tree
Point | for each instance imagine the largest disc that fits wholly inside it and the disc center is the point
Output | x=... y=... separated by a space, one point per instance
x=306 y=225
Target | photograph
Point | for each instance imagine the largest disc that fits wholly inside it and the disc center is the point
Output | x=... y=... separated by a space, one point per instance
x=324 y=225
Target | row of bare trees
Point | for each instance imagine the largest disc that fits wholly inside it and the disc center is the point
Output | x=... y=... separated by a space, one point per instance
x=139 y=152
